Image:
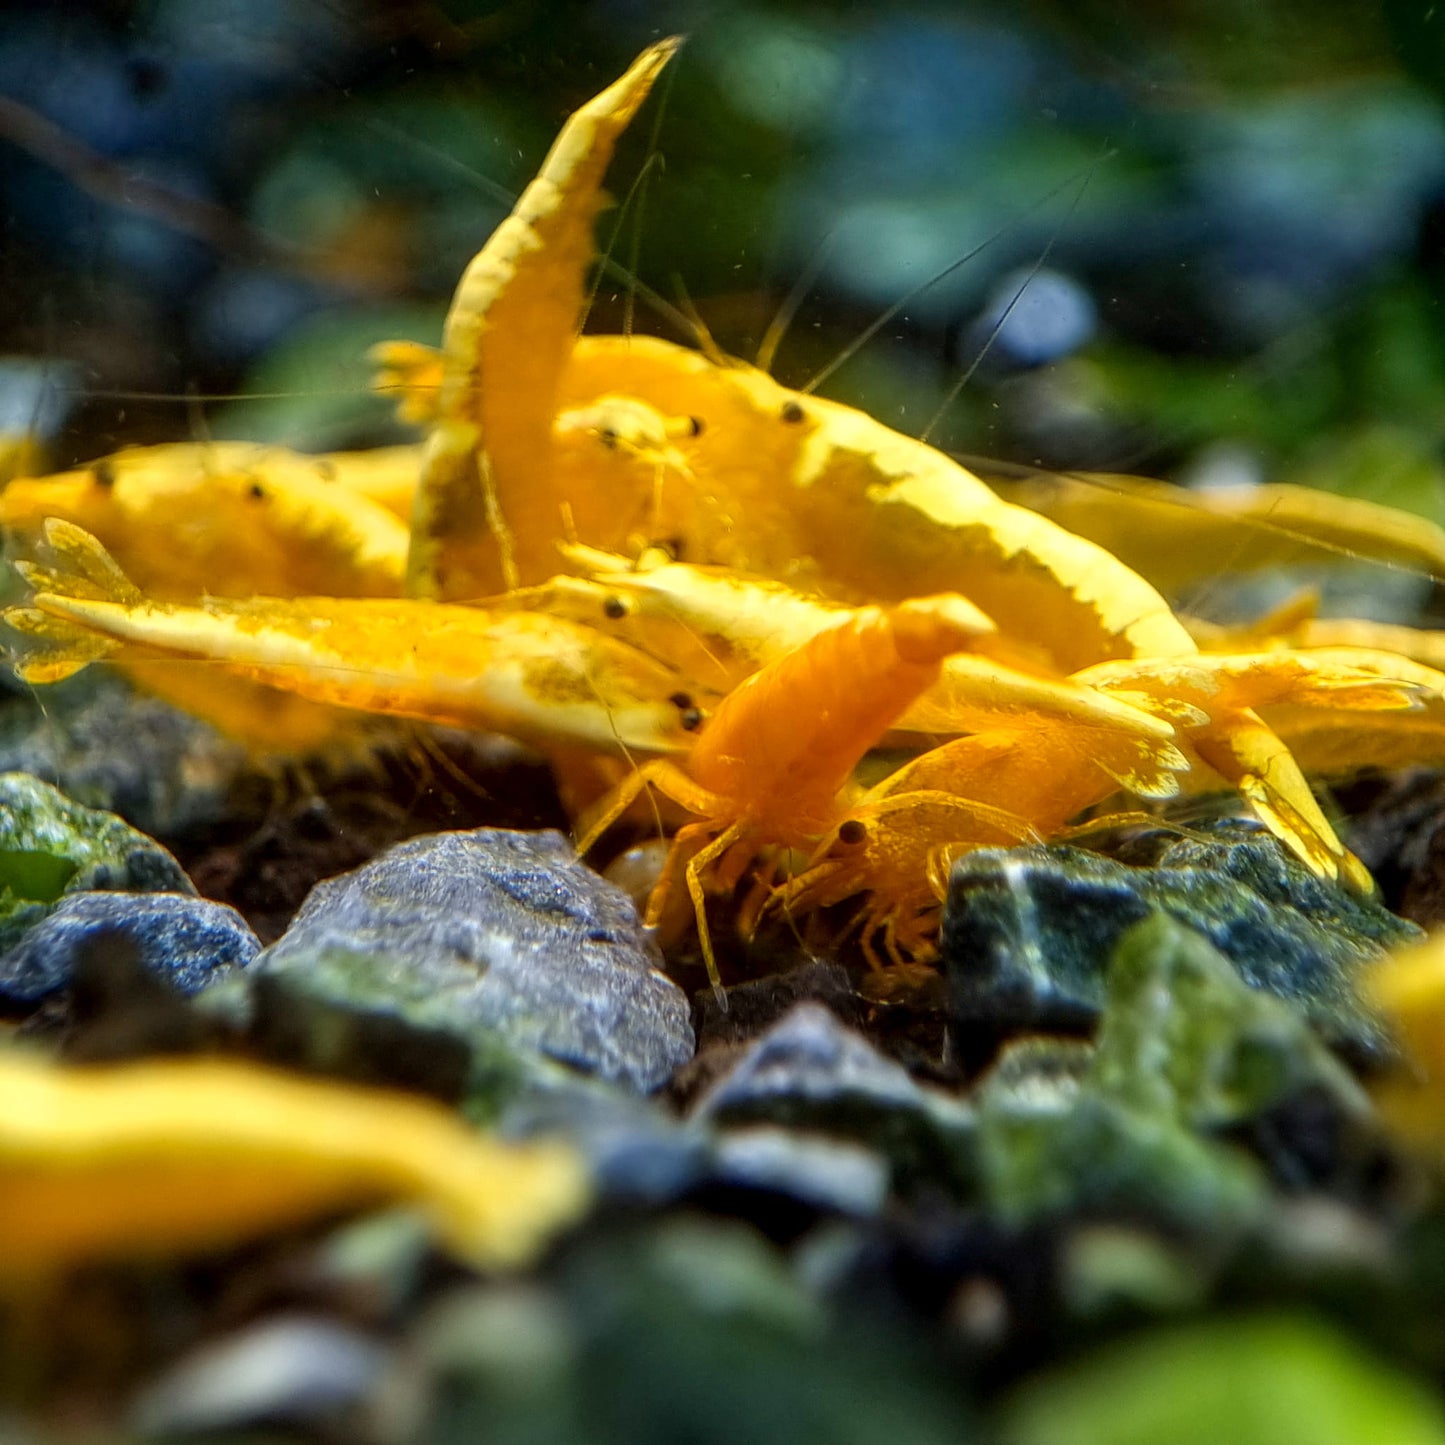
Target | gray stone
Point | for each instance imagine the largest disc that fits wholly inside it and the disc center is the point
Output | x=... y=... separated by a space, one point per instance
x=106 y=745
x=820 y=1173
x=486 y=944
x=1028 y=932
x=186 y=941
x=51 y=846
x=810 y=1072
x=284 y=1370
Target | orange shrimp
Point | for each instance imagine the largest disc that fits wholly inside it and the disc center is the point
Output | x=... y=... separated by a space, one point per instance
x=989 y=789
x=768 y=768
x=968 y=792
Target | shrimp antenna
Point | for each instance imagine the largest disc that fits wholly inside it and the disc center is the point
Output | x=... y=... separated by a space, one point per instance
x=656 y=302
x=788 y=311
x=882 y=320
x=655 y=161
x=432 y=752
x=605 y=265
x=626 y=753
x=1002 y=319
x=200 y=429
x=705 y=342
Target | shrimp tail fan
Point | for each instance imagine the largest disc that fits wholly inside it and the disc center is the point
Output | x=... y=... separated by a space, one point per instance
x=46 y=646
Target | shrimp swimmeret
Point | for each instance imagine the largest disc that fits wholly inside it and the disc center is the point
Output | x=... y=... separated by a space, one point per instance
x=537 y=678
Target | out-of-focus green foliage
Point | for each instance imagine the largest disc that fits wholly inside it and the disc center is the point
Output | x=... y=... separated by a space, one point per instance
x=1252 y=1381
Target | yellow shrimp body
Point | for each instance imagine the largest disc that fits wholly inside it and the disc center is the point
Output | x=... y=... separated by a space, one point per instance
x=966 y=793
x=533 y=677
x=775 y=482
x=1178 y=538
x=233 y=519
x=783 y=743
x=508 y=334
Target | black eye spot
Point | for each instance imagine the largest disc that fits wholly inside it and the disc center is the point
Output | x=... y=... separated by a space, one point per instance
x=258 y=491
x=691 y=719
x=103 y=475
x=696 y=425
x=852 y=831
x=792 y=413
x=614 y=607
x=608 y=437
x=681 y=699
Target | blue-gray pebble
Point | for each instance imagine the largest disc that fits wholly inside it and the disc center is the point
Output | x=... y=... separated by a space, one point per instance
x=188 y=942
x=490 y=933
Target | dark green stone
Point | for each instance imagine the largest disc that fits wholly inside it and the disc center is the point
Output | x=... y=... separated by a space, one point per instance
x=1186 y=1054
x=1028 y=932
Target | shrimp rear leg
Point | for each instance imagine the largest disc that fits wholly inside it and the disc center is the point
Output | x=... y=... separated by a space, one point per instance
x=693 y=874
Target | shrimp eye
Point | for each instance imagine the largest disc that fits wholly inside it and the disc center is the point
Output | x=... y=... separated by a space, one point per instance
x=258 y=491
x=792 y=413
x=691 y=719
x=682 y=700
x=614 y=607
x=608 y=437
x=852 y=831
x=695 y=426
x=103 y=474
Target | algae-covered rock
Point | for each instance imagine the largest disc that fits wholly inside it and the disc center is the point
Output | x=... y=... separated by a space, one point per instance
x=1186 y=1054
x=185 y=941
x=463 y=953
x=1028 y=932
x=1052 y=1142
x=1182 y=1034
x=51 y=846
x=810 y=1072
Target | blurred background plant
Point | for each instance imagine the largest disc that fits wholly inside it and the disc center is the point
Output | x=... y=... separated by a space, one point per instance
x=1212 y=236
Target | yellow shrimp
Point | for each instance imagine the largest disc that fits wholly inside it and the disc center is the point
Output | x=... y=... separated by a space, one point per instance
x=782 y=484
x=233 y=519
x=536 y=678
x=770 y=765
x=1237 y=743
x=786 y=485
x=507 y=336
x=1177 y=537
